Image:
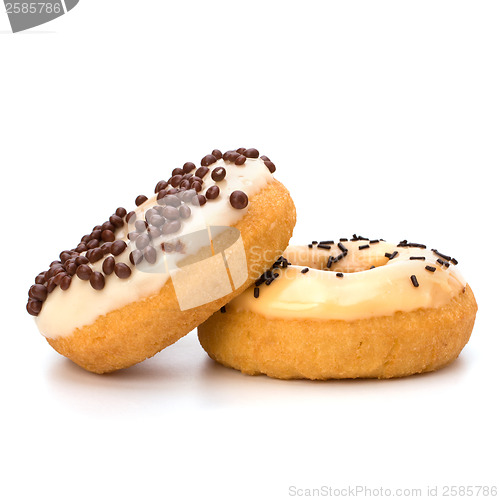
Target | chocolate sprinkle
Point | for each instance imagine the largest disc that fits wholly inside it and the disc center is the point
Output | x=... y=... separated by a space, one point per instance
x=218 y=174
x=256 y=292
x=83 y=272
x=363 y=247
x=239 y=200
x=414 y=280
x=430 y=268
x=305 y=270
x=324 y=247
x=436 y=252
x=251 y=153
x=122 y=270
x=208 y=160
x=212 y=192
x=97 y=280
x=339 y=275
x=108 y=265
x=140 y=199
x=417 y=258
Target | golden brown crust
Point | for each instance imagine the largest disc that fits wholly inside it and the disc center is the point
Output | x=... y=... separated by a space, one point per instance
x=141 y=329
x=380 y=347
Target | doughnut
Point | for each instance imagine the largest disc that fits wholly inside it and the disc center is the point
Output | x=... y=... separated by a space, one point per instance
x=357 y=308
x=144 y=278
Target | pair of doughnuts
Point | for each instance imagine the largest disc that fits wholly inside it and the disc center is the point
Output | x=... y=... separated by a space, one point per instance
x=201 y=251
x=144 y=278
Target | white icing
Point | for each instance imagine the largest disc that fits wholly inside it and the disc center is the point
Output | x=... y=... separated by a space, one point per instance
x=361 y=292
x=81 y=305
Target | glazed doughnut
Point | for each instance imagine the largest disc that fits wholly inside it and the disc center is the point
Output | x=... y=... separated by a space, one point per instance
x=143 y=279
x=357 y=308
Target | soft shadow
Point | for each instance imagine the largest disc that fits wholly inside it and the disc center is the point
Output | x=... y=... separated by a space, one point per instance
x=221 y=384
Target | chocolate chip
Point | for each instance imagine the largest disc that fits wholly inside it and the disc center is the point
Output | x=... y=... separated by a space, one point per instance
x=118 y=247
x=208 y=160
x=177 y=171
x=108 y=265
x=64 y=256
x=83 y=272
x=240 y=160
x=241 y=151
x=122 y=271
x=264 y=158
x=160 y=186
x=201 y=172
x=95 y=255
x=157 y=220
x=176 y=180
x=150 y=213
x=239 y=199
x=107 y=235
x=188 y=167
x=270 y=166
x=81 y=248
x=141 y=226
x=217 y=154
x=40 y=279
x=95 y=234
x=188 y=195
x=197 y=186
x=136 y=257
x=185 y=184
x=130 y=217
x=106 y=247
x=142 y=241
x=120 y=212
x=171 y=213
x=97 y=280
x=218 y=174
x=116 y=221
x=154 y=232
x=149 y=254
x=184 y=212
x=140 y=199
x=171 y=227
x=212 y=192
x=107 y=226
x=70 y=267
x=199 y=200
x=93 y=244
x=172 y=200
x=38 y=292
x=161 y=195
x=34 y=307
x=81 y=260
x=86 y=238
x=51 y=285
x=58 y=278
x=251 y=153
x=133 y=235
x=65 y=282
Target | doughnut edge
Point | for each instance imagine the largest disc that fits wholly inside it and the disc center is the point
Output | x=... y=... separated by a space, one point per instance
x=381 y=347
x=137 y=331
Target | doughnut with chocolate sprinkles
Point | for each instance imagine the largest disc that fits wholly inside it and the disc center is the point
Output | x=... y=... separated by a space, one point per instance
x=141 y=280
x=378 y=310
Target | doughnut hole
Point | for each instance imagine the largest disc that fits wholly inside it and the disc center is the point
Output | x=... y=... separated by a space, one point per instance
x=354 y=261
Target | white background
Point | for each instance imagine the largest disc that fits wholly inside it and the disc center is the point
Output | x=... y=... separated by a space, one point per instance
x=382 y=119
